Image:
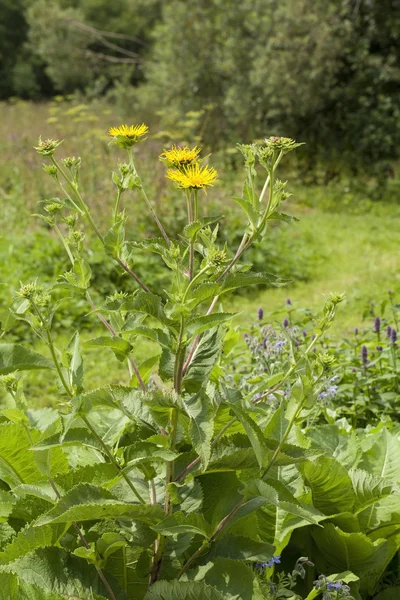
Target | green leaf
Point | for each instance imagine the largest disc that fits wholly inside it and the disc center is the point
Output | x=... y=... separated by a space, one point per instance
x=114 y=239
x=192 y=229
x=241 y=548
x=13 y=589
x=119 y=346
x=232 y=578
x=200 y=324
x=283 y=217
x=88 y=503
x=17 y=460
x=180 y=523
x=145 y=369
x=29 y=539
x=255 y=436
x=251 y=212
x=383 y=457
x=55 y=572
x=188 y=495
x=239 y=279
x=377 y=500
x=330 y=485
x=204 y=358
x=185 y=590
x=281 y=497
x=14 y=357
x=149 y=304
x=351 y=551
x=203 y=292
x=76 y=363
x=392 y=593
x=201 y=426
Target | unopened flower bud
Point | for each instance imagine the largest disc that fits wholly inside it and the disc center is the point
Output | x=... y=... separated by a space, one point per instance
x=47 y=147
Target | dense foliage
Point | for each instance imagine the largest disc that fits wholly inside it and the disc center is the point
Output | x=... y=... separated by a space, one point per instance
x=325 y=71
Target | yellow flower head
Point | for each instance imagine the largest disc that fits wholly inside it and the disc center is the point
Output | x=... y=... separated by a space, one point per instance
x=193 y=177
x=126 y=136
x=179 y=157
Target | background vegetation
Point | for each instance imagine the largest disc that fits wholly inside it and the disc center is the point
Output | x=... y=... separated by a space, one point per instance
x=325 y=71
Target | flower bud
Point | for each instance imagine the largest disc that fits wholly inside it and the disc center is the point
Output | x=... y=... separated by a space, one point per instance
x=260 y=314
x=51 y=170
x=47 y=147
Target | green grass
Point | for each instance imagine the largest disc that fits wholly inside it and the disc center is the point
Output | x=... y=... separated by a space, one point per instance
x=343 y=242
x=358 y=256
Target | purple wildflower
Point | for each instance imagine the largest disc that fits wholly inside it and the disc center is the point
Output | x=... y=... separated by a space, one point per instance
x=393 y=336
x=275 y=560
x=304 y=332
x=285 y=322
x=356 y=330
x=288 y=302
x=388 y=331
x=260 y=314
x=379 y=348
x=364 y=354
x=377 y=325
x=334 y=587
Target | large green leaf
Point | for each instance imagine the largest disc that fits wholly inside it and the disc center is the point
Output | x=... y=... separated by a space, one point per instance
x=377 y=500
x=30 y=538
x=330 y=485
x=352 y=552
x=179 y=523
x=203 y=361
x=232 y=578
x=17 y=460
x=200 y=324
x=14 y=357
x=383 y=457
x=344 y=447
x=241 y=548
x=201 y=428
x=89 y=503
x=56 y=572
x=176 y=590
x=12 y=588
x=255 y=436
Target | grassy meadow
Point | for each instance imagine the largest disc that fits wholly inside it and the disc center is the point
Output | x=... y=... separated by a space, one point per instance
x=343 y=242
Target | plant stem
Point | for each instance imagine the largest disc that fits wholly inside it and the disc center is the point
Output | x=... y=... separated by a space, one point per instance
x=64 y=243
x=133 y=275
x=114 y=334
x=112 y=458
x=52 y=349
x=117 y=204
x=193 y=281
x=146 y=198
x=84 y=209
